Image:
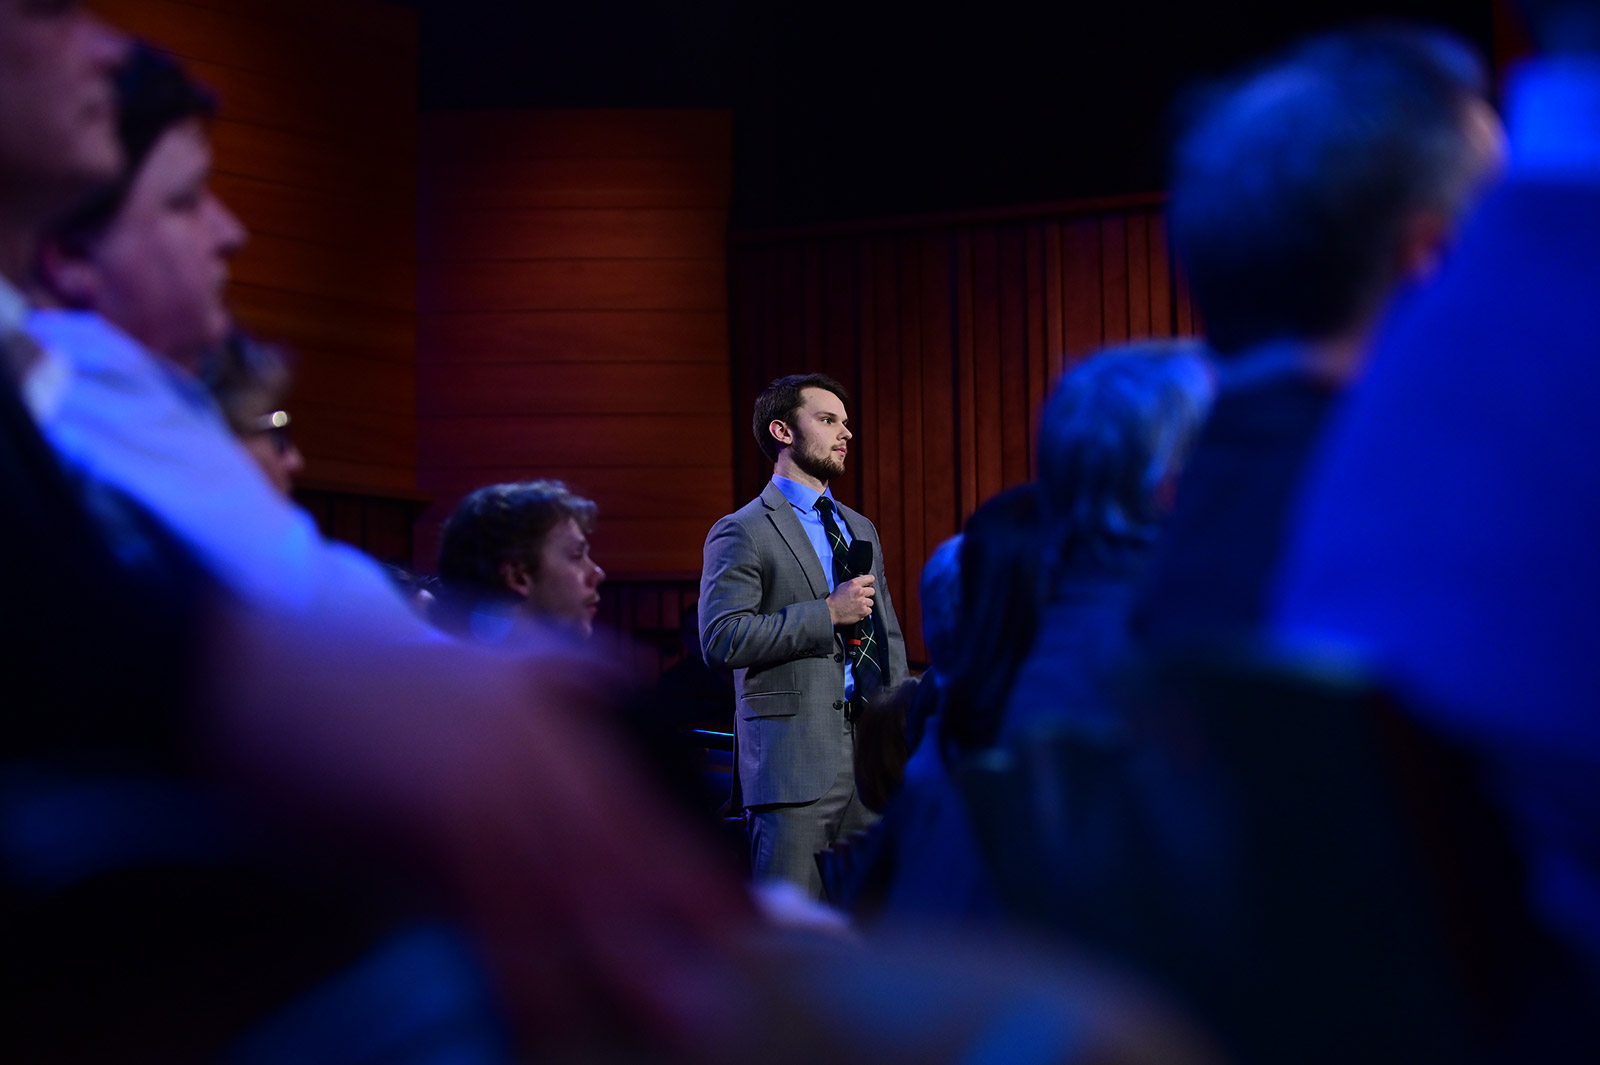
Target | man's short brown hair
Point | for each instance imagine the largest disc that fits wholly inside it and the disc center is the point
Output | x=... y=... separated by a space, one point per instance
x=505 y=523
x=781 y=399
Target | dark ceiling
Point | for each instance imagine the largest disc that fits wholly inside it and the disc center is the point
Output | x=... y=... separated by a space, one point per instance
x=883 y=107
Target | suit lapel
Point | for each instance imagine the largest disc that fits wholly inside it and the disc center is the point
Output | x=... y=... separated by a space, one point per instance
x=788 y=526
x=857 y=526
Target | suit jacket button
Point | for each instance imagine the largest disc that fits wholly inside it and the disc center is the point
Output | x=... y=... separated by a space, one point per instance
x=838 y=704
x=839 y=657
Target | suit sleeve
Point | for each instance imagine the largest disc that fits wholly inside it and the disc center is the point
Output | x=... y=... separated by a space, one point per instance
x=733 y=634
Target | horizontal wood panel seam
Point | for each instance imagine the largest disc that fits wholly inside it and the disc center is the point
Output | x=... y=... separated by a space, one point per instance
x=274 y=71
x=402 y=144
x=345 y=302
x=652 y=470
x=954 y=219
x=423 y=260
x=606 y=367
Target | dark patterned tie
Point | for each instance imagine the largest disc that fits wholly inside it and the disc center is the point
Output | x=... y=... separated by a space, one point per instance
x=863 y=656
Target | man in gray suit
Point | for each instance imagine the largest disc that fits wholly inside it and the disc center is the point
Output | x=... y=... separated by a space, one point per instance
x=808 y=640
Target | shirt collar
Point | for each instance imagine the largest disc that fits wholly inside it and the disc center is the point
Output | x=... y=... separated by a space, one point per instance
x=802 y=497
x=1553 y=113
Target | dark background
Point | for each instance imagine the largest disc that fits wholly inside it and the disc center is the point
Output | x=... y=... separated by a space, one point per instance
x=886 y=107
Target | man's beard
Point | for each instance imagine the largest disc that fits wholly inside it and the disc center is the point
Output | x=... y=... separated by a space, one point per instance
x=824 y=467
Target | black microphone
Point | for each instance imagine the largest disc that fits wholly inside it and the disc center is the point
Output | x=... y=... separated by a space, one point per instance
x=859 y=558
x=858 y=563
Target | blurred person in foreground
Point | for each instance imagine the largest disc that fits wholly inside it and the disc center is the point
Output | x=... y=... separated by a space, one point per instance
x=515 y=553
x=1115 y=438
x=941 y=609
x=483 y=777
x=250 y=380
x=1447 y=535
x=1048 y=572
x=121 y=780
x=134 y=279
x=1307 y=199
x=892 y=725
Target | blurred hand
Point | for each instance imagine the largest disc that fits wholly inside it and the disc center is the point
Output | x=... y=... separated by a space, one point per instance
x=599 y=912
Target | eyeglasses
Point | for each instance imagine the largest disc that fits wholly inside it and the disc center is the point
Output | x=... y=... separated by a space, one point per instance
x=276 y=425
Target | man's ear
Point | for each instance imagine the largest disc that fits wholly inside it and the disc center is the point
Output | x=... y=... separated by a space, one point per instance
x=780 y=431
x=516 y=578
x=1424 y=239
x=69 y=279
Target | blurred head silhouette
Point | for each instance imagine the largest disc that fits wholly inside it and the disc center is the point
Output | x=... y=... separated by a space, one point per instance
x=1307 y=192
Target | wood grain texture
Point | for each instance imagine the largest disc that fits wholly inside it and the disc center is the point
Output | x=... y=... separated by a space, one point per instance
x=566 y=388
x=577 y=233
x=315 y=149
x=592 y=133
x=575 y=285
x=638 y=492
x=574 y=320
x=576 y=441
x=500 y=183
x=574 y=336
x=318 y=217
x=952 y=334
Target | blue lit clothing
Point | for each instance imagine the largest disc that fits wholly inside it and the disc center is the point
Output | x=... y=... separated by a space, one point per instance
x=1447 y=532
x=804 y=501
x=140 y=424
x=1553 y=115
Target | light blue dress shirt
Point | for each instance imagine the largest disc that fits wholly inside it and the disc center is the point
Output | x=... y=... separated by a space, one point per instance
x=128 y=418
x=804 y=501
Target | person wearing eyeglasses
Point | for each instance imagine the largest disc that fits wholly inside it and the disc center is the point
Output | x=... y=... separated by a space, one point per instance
x=131 y=317
x=250 y=381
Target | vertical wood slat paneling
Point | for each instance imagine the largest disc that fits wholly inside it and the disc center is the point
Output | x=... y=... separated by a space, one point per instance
x=1160 y=278
x=1114 y=279
x=952 y=333
x=968 y=447
x=840 y=341
x=1138 y=278
x=1081 y=281
x=1038 y=351
x=1015 y=440
x=1055 y=341
x=872 y=362
x=941 y=513
x=986 y=367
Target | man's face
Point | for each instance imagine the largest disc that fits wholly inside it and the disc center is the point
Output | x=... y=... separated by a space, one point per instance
x=159 y=269
x=566 y=588
x=58 y=137
x=276 y=454
x=820 y=434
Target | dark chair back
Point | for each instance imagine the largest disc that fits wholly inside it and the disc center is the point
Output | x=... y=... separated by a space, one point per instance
x=1317 y=876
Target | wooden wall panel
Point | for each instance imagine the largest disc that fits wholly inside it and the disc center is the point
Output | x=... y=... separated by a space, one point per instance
x=949 y=333
x=508 y=183
x=573 y=321
x=575 y=285
x=578 y=233
x=575 y=336
x=316 y=151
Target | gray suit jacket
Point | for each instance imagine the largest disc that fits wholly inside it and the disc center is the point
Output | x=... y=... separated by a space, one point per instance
x=763 y=615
